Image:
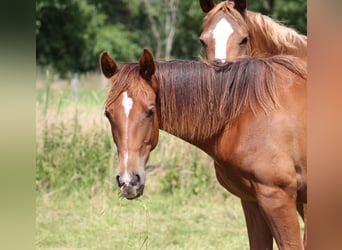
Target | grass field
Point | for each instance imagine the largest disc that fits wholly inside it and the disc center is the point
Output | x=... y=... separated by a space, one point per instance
x=77 y=204
x=103 y=221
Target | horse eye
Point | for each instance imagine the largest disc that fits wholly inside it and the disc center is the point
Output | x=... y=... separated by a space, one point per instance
x=150 y=112
x=203 y=43
x=244 y=40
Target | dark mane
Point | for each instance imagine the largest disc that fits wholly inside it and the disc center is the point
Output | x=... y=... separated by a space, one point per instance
x=210 y=96
x=205 y=94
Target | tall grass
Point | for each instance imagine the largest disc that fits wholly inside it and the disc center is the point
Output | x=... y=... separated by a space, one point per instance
x=71 y=159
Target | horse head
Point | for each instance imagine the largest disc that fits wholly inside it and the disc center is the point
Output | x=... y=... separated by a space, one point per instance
x=131 y=111
x=225 y=33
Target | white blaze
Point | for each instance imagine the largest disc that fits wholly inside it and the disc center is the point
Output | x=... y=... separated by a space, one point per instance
x=127 y=104
x=126 y=177
x=221 y=33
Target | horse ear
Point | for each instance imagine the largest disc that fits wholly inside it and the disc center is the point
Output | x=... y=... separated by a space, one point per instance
x=108 y=65
x=241 y=6
x=147 y=66
x=207 y=5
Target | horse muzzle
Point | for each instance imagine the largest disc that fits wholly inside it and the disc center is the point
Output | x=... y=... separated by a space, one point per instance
x=131 y=188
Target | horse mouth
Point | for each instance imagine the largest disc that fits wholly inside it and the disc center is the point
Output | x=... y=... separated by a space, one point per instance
x=133 y=193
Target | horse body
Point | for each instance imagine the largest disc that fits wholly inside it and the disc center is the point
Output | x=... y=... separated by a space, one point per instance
x=257 y=158
x=240 y=157
x=256 y=145
x=260 y=153
x=246 y=33
x=249 y=116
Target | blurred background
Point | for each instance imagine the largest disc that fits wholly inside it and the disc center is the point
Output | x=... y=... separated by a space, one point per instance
x=70 y=35
x=77 y=205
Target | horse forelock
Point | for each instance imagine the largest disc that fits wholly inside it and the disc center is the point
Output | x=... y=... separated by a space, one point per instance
x=127 y=78
x=227 y=8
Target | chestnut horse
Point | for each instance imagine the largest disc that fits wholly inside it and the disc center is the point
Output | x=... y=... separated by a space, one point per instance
x=231 y=31
x=248 y=115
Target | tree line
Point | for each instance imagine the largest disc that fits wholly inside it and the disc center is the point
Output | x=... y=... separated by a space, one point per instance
x=71 y=34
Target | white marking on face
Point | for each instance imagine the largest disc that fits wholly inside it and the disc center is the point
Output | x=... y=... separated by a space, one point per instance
x=127 y=104
x=126 y=177
x=221 y=33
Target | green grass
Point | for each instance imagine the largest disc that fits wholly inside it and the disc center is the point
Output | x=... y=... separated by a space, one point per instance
x=104 y=221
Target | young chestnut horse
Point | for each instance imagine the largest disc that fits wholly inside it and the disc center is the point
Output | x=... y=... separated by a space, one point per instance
x=230 y=31
x=248 y=115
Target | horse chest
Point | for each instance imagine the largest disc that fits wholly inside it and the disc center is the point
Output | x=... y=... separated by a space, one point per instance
x=231 y=179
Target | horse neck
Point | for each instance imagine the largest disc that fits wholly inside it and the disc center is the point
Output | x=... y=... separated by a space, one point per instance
x=196 y=101
x=186 y=110
x=269 y=38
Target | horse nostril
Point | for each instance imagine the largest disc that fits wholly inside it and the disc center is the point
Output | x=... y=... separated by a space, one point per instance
x=135 y=181
x=118 y=181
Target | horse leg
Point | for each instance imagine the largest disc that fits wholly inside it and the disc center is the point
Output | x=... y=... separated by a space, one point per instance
x=259 y=234
x=278 y=205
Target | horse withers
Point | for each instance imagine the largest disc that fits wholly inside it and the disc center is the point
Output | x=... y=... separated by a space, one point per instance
x=248 y=115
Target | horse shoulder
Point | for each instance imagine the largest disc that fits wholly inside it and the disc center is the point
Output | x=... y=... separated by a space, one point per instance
x=262 y=148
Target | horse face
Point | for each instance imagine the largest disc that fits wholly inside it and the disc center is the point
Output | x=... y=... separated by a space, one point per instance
x=134 y=124
x=225 y=34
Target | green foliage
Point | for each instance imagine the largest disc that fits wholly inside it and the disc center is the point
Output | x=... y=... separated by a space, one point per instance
x=63 y=35
x=189 y=28
x=198 y=181
x=290 y=12
x=170 y=182
x=200 y=178
x=71 y=34
x=71 y=159
x=118 y=42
